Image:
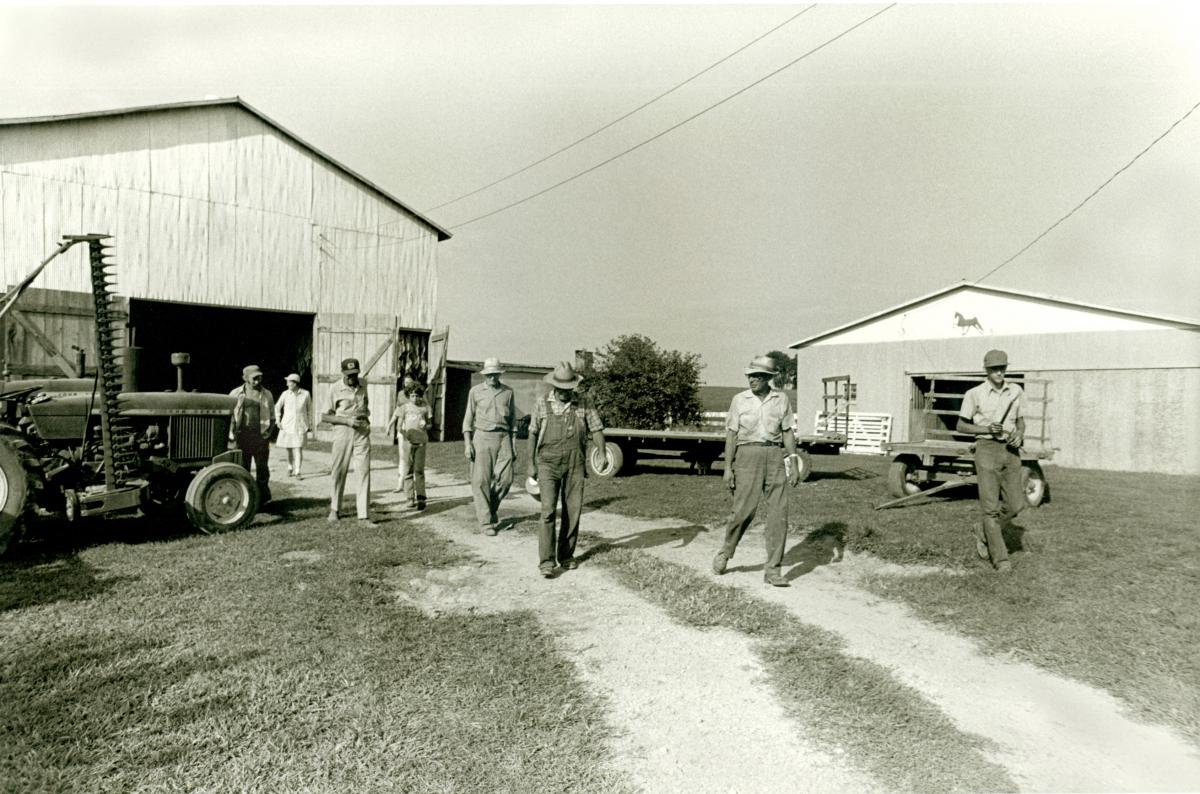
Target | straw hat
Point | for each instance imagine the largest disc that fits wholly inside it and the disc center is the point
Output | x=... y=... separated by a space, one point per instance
x=564 y=376
x=491 y=366
x=764 y=365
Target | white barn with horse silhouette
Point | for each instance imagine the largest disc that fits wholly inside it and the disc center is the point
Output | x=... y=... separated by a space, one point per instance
x=1122 y=389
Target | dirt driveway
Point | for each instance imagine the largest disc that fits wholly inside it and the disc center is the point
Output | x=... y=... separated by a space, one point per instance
x=676 y=694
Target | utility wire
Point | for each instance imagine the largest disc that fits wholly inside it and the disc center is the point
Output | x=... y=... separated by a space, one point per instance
x=618 y=120
x=694 y=116
x=1103 y=185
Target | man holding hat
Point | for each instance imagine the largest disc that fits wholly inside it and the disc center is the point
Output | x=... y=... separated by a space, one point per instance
x=253 y=425
x=758 y=431
x=293 y=414
x=348 y=412
x=992 y=413
x=559 y=431
x=489 y=424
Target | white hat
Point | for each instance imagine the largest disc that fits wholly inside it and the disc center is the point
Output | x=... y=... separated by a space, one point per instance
x=292 y=376
x=491 y=366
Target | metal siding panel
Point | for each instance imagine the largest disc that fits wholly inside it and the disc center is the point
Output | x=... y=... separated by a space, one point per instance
x=248 y=153
x=62 y=206
x=163 y=131
x=132 y=243
x=164 y=276
x=222 y=157
x=192 y=158
x=243 y=285
x=22 y=200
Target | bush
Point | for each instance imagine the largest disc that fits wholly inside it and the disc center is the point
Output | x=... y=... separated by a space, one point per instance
x=636 y=384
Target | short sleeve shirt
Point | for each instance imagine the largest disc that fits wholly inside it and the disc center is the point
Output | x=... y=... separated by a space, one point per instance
x=490 y=409
x=759 y=421
x=985 y=404
x=348 y=400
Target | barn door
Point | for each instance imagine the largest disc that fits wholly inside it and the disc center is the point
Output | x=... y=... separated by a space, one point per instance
x=371 y=339
x=438 y=344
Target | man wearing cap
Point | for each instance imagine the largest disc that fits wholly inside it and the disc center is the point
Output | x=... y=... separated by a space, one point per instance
x=559 y=430
x=293 y=414
x=253 y=425
x=489 y=424
x=758 y=431
x=348 y=412
x=992 y=413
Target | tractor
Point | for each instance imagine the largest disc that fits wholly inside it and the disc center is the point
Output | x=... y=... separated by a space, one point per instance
x=73 y=448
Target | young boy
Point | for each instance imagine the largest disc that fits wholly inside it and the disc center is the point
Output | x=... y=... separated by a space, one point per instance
x=412 y=420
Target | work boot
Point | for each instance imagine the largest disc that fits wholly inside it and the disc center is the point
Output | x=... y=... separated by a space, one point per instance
x=547 y=571
x=718 y=563
x=775 y=579
x=1004 y=566
x=490 y=530
x=333 y=516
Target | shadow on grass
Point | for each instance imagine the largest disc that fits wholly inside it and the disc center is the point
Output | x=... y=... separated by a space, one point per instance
x=46 y=578
x=855 y=473
x=63 y=697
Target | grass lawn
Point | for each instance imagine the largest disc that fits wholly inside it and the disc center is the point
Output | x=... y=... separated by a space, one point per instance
x=1104 y=590
x=273 y=659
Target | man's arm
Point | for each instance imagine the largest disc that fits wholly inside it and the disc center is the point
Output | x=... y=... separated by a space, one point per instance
x=730 y=452
x=468 y=427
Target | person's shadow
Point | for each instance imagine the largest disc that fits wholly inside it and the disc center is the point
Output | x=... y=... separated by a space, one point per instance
x=824 y=545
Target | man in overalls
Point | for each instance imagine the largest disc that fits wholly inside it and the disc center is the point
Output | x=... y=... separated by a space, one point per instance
x=253 y=426
x=992 y=413
x=559 y=429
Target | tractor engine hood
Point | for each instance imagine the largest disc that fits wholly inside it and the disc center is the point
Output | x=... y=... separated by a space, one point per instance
x=62 y=418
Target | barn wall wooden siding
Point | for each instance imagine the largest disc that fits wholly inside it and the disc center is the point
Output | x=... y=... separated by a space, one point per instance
x=1122 y=400
x=211 y=205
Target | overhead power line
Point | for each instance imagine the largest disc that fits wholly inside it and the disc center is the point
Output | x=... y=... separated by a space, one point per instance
x=619 y=119
x=1091 y=195
x=674 y=127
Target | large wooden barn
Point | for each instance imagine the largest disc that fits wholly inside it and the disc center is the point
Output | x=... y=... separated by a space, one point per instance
x=1121 y=385
x=235 y=241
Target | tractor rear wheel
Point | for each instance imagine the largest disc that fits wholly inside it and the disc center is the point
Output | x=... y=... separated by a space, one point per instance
x=221 y=497
x=14 y=487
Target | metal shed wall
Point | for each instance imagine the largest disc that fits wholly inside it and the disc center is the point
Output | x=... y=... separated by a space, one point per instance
x=211 y=205
x=1123 y=400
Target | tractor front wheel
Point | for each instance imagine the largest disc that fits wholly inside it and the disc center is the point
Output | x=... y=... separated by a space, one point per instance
x=221 y=497
x=14 y=487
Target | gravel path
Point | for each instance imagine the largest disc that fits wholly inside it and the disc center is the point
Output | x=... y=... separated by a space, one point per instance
x=677 y=694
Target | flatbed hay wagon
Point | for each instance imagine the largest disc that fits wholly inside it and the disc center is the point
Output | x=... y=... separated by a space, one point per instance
x=937 y=457
x=702 y=446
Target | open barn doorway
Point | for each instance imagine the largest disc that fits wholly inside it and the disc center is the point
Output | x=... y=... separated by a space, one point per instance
x=220 y=341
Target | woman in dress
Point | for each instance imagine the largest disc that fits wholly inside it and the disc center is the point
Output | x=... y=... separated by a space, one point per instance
x=293 y=414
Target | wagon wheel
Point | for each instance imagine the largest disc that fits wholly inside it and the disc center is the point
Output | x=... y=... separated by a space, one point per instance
x=606 y=461
x=1033 y=484
x=902 y=477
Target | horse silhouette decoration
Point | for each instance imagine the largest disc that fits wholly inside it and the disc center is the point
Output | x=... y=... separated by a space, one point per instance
x=967 y=323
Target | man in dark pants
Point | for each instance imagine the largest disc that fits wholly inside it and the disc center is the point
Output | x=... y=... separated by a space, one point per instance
x=559 y=430
x=992 y=413
x=253 y=426
x=758 y=432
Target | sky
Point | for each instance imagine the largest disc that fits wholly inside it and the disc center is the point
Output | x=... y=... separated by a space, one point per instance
x=789 y=188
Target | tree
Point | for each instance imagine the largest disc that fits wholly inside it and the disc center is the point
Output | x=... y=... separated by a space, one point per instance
x=786 y=379
x=636 y=384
